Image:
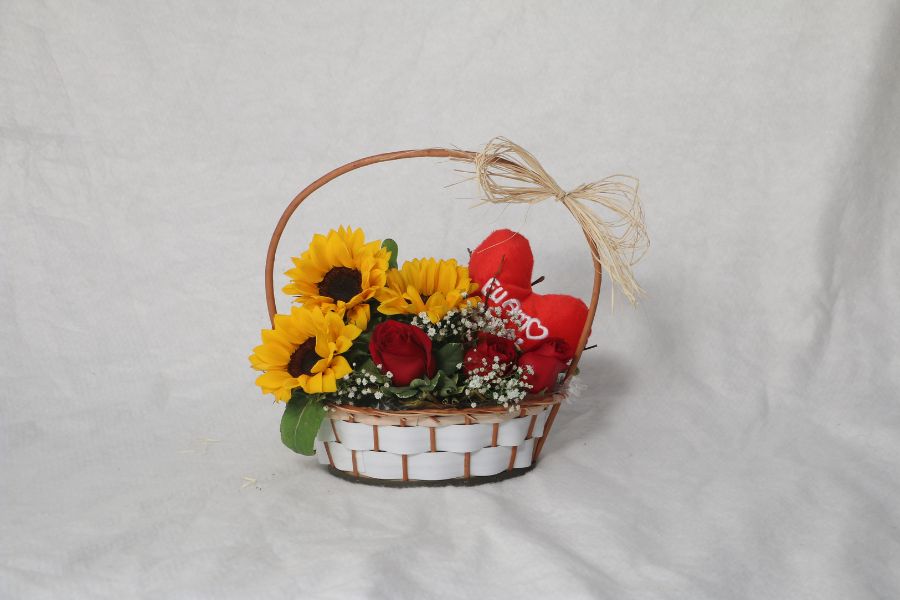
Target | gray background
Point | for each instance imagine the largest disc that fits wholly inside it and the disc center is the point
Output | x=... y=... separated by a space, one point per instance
x=736 y=436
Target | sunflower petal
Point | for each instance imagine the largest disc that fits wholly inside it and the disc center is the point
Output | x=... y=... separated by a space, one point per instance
x=359 y=317
x=273 y=354
x=273 y=380
x=341 y=367
x=313 y=384
x=329 y=384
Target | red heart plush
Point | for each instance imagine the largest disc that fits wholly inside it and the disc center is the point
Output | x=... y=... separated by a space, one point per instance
x=561 y=315
x=504 y=255
x=503 y=265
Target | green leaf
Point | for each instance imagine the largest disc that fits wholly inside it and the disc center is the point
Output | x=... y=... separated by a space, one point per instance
x=359 y=350
x=301 y=421
x=402 y=392
x=391 y=247
x=369 y=367
x=356 y=358
x=448 y=356
x=427 y=384
x=448 y=386
x=421 y=387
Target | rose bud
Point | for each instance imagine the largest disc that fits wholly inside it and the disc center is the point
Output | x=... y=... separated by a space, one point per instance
x=488 y=347
x=403 y=350
x=547 y=361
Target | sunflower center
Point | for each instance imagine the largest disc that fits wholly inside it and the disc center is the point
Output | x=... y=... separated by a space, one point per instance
x=303 y=359
x=341 y=283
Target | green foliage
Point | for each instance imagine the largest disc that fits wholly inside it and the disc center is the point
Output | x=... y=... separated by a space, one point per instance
x=301 y=421
x=359 y=351
x=370 y=368
x=449 y=386
x=391 y=247
x=424 y=391
x=448 y=356
x=416 y=387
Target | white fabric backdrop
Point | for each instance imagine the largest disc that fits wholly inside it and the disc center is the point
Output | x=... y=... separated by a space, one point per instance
x=737 y=436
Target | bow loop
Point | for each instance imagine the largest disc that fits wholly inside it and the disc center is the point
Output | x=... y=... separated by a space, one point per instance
x=507 y=173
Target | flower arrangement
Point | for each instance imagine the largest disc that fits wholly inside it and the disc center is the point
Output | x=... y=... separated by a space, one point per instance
x=367 y=331
x=436 y=372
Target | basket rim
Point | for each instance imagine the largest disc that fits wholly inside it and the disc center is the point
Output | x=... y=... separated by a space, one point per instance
x=529 y=402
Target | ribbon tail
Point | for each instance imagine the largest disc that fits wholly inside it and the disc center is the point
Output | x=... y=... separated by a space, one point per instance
x=615 y=251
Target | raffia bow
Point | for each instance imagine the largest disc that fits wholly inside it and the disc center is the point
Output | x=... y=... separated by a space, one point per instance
x=507 y=173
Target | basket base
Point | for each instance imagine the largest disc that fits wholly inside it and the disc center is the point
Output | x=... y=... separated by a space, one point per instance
x=459 y=481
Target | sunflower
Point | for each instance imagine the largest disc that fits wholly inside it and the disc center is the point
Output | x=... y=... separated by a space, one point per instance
x=427 y=285
x=341 y=272
x=303 y=351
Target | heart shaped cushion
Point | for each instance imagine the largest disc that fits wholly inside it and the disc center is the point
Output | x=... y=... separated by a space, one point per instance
x=561 y=315
x=504 y=255
x=503 y=265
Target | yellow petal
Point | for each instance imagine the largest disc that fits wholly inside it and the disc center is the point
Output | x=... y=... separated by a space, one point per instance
x=341 y=367
x=324 y=346
x=256 y=363
x=321 y=365
x=357 y=238
x=328 y=382
x=390 y=310
x=272 y=354
x=299 y=287
x=318 y=253
x=359 y=316
x=351 y=331
x=446 y=277
x=415 y=300
x=313 y=384
x=272 y=380
x=338 y=252
x=271 y=336
x=342 y=344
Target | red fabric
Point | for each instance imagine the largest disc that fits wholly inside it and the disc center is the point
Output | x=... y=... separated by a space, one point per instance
x=505 y=256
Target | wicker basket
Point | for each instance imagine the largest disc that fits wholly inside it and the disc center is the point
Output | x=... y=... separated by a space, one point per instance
x=465 y=446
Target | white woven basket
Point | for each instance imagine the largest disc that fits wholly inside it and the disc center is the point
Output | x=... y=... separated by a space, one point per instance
x=462 y=449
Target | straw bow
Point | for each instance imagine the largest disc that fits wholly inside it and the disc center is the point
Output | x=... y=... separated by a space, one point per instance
x=507 y=173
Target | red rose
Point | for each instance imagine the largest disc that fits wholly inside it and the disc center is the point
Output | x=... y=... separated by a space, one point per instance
x=402 y=349
x=488 y=347
x=547 y=360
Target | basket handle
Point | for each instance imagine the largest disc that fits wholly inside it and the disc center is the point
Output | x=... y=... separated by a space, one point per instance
x=386 y=157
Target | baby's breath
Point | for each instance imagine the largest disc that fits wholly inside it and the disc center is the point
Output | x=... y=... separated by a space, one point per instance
x=498 y=382
x=465 y=324
x=362 y=388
